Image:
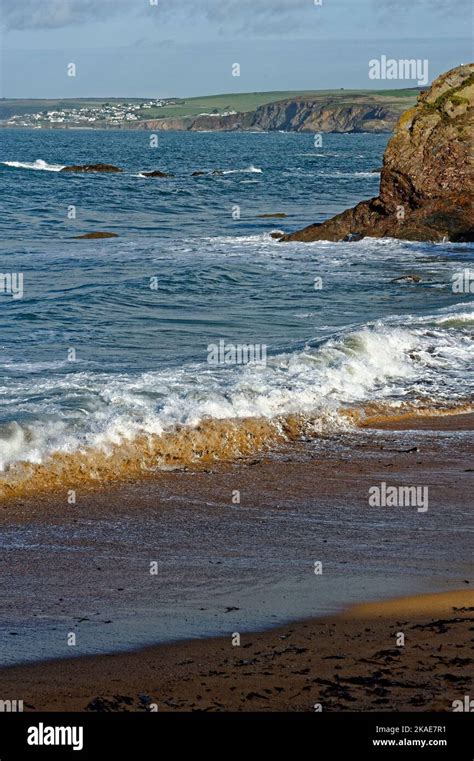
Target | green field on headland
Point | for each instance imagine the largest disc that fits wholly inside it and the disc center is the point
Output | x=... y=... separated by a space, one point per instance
x=245 y=102
x=101 y=111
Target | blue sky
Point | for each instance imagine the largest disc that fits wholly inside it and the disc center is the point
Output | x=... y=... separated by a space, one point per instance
x=187 y=47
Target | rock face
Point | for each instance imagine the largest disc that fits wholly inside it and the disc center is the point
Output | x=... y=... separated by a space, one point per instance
x=314 y=116
x=427 y=180
x=318 y=113
x=92 y=168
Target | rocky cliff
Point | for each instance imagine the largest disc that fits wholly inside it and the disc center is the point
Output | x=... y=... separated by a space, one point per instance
x=322 y=113
x=311 y=115
x=427 y=181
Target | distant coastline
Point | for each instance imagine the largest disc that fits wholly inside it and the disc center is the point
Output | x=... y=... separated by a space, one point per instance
x=340 y=111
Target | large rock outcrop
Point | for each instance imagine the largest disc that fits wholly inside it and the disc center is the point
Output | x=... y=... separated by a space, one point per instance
x=157 y=173
x=427 y=180
x=91 y=168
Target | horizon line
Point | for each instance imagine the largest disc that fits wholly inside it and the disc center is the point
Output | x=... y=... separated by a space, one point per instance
x=215 y=95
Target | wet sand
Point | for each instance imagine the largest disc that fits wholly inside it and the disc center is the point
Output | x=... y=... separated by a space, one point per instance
x=349 y=662
x=225 y=567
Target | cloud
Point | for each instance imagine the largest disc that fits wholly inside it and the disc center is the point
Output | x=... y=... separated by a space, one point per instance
x=228 y=10
x=430 y=7
x=263 y=16
x=57 y=14
x=232 y=14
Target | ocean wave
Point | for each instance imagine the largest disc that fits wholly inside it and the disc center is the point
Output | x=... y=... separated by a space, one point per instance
x=460 y=319
x=97 y=424
x=338 y=173
x=249 y=170
x=208 y=442
x=38 y=165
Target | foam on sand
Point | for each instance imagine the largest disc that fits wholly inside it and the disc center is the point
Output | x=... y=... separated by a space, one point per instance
x=102 y=426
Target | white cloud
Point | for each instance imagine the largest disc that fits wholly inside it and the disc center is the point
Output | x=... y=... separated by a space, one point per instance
x=57 y=14
x=51 y=14
x=234 y=15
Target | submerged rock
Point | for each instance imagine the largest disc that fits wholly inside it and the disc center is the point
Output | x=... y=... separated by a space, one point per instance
x=407 y=279
x=156 y=173
x=426 y=186
x=92 y=236
x=92 y=168
x=278 y=215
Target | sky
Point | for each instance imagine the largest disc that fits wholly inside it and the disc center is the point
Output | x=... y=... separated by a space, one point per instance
x=184 y=48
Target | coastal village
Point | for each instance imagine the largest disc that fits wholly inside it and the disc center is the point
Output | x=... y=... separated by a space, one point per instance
x=104 y=114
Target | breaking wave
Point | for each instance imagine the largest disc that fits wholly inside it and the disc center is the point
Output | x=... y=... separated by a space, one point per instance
x=249 y=170
x=102 y=427
x=38 y=165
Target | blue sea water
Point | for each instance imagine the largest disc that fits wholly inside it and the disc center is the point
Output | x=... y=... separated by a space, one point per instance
x=109 y=341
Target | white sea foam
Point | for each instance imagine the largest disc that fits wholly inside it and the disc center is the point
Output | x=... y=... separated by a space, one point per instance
x=338 y=173
x=38 y=165
x=249 y=170
x=390 y=361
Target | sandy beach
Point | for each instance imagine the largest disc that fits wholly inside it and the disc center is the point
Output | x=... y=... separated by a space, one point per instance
x=236 y=378
x=348 y=662
x=225 y=569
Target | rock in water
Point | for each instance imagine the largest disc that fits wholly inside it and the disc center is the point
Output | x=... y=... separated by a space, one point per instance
x=407 y=279
x=92 y=168
x=277 y=215
x=95 y=236
x=426 y=187
x=156 y=173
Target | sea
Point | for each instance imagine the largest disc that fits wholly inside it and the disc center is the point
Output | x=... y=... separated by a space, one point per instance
x=195 y=335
